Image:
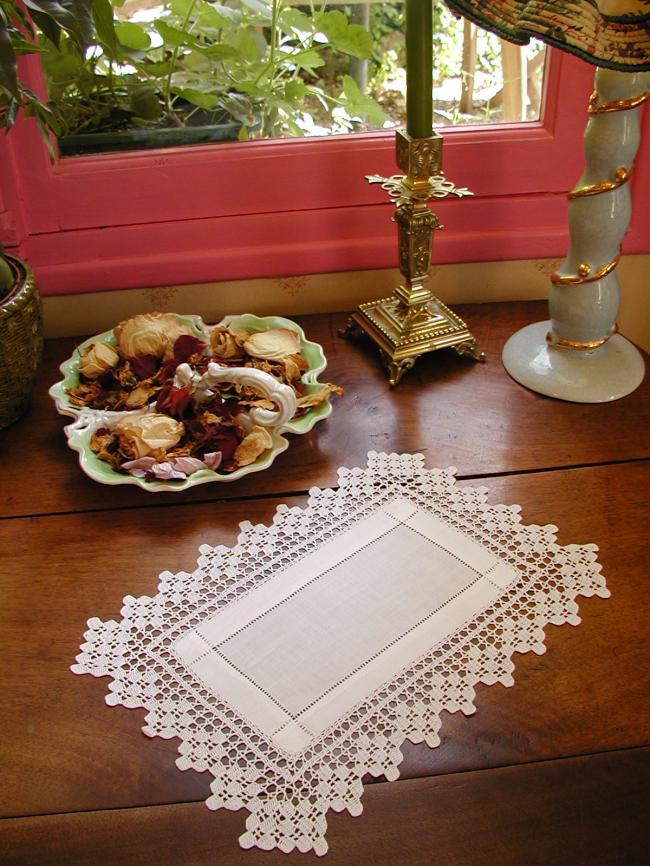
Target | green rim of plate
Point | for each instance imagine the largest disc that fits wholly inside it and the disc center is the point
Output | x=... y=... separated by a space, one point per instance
x=102 y=472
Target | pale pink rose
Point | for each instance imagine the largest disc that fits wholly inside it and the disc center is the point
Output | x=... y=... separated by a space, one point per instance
x=98 y=359
x=147 y=433
x=150 y=334
x=274 y=344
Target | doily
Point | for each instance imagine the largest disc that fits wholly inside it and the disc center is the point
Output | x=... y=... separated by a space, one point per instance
x=297 y=661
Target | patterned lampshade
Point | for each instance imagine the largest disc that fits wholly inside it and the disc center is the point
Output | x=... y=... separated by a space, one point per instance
x=610 y=33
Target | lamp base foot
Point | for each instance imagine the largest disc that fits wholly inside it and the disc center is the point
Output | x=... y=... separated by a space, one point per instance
x=595 y=376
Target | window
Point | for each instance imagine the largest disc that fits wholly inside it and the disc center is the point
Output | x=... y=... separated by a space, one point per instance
x=286 y=207
x=188 y=71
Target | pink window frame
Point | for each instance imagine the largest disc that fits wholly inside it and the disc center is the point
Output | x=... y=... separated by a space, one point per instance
x=287 y=207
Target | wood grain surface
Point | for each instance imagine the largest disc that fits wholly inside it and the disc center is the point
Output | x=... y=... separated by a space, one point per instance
x=456 y=411
x=554 y=770
x=575 y=812
x=562 y=703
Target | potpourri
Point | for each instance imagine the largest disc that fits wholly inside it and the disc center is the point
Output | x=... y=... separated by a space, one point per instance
x=184 y=435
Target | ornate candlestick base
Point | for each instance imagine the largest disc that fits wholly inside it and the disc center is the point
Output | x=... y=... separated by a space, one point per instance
x=401 y=341
x=413 y=321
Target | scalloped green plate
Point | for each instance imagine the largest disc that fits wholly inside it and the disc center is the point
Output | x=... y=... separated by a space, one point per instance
x=87 y=420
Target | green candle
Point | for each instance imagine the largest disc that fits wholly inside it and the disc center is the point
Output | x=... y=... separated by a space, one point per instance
x=419 y=63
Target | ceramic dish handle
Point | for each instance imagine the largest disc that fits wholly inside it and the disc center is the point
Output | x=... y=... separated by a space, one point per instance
x=93 y=418
x=282 y=395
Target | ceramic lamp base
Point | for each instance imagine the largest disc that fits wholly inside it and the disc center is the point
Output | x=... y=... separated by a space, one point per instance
x=595 y=376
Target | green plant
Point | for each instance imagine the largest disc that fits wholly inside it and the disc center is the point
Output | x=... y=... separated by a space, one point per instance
x=252 y=60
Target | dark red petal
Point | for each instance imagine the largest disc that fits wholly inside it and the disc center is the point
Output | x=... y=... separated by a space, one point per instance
x=175 y=401
x=144 y=366
x=186 y=345
x=168 y=369
x=216 y=438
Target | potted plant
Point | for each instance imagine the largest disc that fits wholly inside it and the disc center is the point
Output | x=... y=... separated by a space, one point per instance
x=198 y=71
x=21 y=335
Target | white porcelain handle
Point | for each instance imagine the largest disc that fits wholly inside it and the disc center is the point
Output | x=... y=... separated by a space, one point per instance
x=93 y=418
x=282 y=395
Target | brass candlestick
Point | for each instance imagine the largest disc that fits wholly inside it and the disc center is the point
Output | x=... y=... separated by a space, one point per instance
x=413 y=321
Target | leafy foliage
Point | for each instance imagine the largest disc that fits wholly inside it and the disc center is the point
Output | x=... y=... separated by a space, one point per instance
x=17 y=34
x=255 y=61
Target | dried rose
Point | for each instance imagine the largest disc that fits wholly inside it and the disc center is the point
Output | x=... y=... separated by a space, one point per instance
x=148 y=433
x=291 y=369
x=150 y=334
x=104 y=444
x=250 y=448
x=228 y=344
x=84 y=395
x=98 y=359
x=274 y=344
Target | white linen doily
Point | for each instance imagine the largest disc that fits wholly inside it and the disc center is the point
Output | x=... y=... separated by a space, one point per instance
x=297 y=661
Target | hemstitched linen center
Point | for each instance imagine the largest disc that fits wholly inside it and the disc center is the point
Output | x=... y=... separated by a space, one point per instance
x=306 y=646
x=328 y=629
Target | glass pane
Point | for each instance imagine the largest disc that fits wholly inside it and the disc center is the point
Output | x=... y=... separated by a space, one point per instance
x=190 y=71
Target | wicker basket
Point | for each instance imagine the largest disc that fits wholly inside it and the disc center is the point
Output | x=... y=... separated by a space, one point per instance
x=21 y=343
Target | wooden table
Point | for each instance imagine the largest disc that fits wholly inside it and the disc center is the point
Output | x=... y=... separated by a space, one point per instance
x=553 y=771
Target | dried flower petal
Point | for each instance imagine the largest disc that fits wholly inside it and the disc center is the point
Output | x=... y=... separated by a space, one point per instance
x=215 y=437
x=97 y=359
x=291 y=369
x=139 y=397
x=145 y=434
x=187 y=345
x=227 y=344
x=144 y=366
x=174 y=401
x=212 y=460
x=165 y=472
x=177 y=468
x=84 y=395
x=150 y=334
x=139 y=467
x=318 y=397
x=257 y=441
x=274 y=344
x=301 y=362
x=188 y=465
x=258 y=403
